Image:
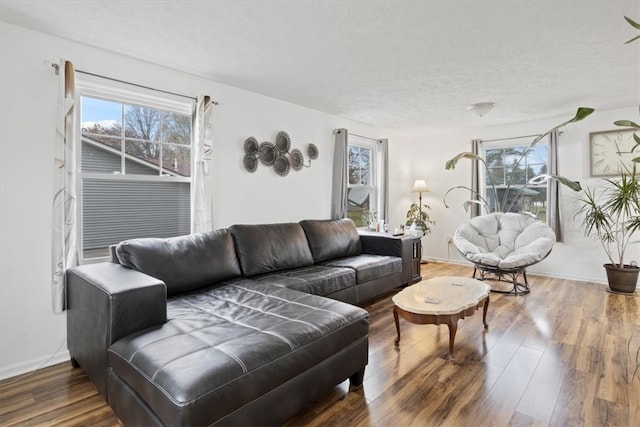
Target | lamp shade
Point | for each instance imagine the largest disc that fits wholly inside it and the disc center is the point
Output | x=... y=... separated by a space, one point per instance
x=419 y=186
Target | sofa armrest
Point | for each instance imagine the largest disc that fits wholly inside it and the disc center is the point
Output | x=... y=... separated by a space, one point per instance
x=386 y=244
x=106 y=302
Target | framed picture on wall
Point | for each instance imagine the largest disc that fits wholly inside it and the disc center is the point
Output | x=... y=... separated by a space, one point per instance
x=611 y=149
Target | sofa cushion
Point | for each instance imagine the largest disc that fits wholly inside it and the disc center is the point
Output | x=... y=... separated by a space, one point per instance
x=313 y=279
x=329 y=239
x=368 y=267
x=271 y=247
x=183 y=263
x=224 y=347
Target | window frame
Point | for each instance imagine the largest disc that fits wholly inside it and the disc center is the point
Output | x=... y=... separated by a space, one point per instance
x=493 y=145
x=376 y=172
x=114 y=91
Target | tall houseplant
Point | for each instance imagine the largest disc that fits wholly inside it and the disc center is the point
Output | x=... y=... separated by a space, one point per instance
x=503 y=205
x=612 y=216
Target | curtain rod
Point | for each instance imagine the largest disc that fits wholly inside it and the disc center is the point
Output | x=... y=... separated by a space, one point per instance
x=364 y=137
x=515 y=137
x=141 y=86
x=508 y=139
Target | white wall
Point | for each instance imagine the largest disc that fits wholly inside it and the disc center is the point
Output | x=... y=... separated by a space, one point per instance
x=424 y=156
x=29 y=331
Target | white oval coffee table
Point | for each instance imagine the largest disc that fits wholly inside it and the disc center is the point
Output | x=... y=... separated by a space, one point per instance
x=442 y=300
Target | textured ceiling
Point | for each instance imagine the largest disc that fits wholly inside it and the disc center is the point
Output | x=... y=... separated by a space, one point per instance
x=407 y=65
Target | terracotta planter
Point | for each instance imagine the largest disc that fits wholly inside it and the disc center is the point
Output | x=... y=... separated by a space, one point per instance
x=623 y=280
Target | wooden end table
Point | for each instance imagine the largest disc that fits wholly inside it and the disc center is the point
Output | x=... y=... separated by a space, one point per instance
x=442 y=300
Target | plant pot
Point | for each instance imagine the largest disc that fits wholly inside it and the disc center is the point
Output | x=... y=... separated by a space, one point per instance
x=623 y=280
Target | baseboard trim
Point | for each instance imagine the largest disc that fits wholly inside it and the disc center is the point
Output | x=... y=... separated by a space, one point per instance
x=25 y=368
x=595 y=280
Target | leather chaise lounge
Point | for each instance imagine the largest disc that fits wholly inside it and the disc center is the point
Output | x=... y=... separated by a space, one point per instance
x=239 y=326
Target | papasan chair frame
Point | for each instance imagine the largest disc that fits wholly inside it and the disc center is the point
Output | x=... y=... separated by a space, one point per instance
x=502 y=245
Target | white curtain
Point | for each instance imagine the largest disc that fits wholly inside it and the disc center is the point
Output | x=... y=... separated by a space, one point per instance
x=203 y=170
x=64 y=231
x=339 y=185
x=554 y=219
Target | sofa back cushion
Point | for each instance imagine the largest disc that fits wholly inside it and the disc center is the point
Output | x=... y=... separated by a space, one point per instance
x=271 y=247
x=183 y=263
x=330 y=239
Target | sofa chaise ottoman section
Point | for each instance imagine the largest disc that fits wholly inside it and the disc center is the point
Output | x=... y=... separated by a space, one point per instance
x=224 y=348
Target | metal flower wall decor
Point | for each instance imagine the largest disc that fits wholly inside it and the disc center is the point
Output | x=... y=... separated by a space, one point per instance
x=278 y=155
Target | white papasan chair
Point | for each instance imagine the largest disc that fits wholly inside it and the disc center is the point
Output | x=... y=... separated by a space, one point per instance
x=502 y=245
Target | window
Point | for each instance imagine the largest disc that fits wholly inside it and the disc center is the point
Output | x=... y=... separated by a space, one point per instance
x=134 y=166
x=504 y=169
x=363 y=187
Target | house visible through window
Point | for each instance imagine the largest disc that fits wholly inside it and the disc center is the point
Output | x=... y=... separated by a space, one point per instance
x=363 y=187
x=509 y=176
x=134 y=166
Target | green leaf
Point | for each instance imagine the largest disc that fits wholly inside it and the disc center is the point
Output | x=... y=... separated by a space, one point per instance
x=632 y=40
x=633 y=23
x=574 y=185
x=627 y=123
x=636 y=138
x=581 y=114
x=468 y=204
x=541 y=179
x=451 y=164
x=636 y=160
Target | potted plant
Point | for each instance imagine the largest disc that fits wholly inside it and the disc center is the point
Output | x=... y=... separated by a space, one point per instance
x=612 y=216
x=369 y=218
x=419 y=217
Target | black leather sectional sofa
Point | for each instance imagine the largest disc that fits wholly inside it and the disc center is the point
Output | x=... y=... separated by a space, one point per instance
x=239 y=326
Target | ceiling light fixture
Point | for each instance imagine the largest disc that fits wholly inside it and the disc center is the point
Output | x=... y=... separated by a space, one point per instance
x=481 y=108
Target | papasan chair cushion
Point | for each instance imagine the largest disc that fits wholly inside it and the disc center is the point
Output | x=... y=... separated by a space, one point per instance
x=504 y=242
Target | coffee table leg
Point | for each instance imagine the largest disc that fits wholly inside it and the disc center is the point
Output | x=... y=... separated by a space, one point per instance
x=453 y=328
x=484 y=314
x=395 y=317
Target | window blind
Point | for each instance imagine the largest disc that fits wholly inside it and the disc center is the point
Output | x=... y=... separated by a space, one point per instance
x=116 y=210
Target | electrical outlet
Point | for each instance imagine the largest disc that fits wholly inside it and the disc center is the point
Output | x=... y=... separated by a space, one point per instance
x=449 y=240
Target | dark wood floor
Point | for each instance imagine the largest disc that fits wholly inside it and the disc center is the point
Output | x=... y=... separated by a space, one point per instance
x=558 y=356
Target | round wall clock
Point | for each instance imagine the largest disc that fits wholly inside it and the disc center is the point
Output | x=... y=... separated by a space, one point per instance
x=610 y=150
